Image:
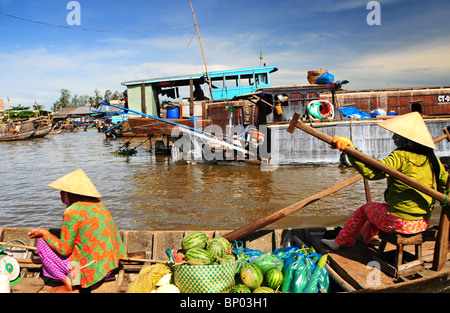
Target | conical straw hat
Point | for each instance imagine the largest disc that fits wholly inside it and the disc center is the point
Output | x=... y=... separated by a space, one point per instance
x=76 y=182
x=410 y=126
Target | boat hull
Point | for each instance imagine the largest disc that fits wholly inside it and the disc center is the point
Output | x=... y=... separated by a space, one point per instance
x=153 y=244
x=20 y=136
x=152 y=127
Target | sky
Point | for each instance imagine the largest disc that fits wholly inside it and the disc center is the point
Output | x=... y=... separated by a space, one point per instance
x=118 y=41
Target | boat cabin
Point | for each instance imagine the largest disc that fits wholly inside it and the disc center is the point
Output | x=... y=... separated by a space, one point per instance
x=143 y=95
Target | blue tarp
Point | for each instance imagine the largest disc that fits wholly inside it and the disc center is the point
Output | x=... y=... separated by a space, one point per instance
x=351 y=112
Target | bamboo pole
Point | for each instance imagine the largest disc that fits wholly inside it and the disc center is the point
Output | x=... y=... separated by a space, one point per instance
x=203 y=53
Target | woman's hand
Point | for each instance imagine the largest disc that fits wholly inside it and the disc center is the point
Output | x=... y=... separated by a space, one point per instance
x=37 y=233
x=341 y=143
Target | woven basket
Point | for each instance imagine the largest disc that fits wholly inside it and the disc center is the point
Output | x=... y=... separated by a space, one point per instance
x=313 y=75
x=205 y=278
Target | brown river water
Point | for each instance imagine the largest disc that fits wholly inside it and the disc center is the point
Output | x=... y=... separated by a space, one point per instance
x=151 y=192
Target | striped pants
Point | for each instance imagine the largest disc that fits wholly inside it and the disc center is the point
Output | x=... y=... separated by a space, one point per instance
x=374 y=216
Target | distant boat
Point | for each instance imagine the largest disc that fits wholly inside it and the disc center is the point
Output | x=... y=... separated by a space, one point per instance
x=6 y=133
x=44 y=126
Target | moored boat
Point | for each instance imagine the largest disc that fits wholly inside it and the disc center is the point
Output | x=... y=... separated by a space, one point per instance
x=43 y=127
x=7 y=133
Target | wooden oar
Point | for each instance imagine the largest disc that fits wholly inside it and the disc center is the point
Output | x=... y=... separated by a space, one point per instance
x=248 y=229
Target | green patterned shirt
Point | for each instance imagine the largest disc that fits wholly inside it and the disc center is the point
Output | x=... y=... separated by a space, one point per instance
x=404 y=201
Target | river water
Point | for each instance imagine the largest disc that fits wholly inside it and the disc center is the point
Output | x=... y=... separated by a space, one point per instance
x=152 y=192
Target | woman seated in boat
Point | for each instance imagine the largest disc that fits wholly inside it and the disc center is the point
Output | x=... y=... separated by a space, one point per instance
x=406 y=209
x=89 y=247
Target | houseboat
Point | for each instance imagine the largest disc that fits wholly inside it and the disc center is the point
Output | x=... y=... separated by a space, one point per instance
x=244 y=108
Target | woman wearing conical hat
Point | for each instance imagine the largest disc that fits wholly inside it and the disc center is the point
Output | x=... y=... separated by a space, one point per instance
x=89 y=246
x=406 y=209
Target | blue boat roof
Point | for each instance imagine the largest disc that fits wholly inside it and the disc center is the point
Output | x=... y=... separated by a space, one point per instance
x=185 y=79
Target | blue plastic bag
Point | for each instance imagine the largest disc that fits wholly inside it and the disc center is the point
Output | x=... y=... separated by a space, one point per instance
x=325 y=78
x=246 y=254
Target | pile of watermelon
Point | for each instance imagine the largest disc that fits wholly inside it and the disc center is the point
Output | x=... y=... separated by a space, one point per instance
x=198 y=249
x=291 y=269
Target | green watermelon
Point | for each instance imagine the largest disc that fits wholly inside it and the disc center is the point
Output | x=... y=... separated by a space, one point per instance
x=263 y=290
x=273 y=278
x=198 y=256
x=216 y=248
x=251 y=275
x=240 y=288
x=227 y=258
x=224 y=241
x=195 y=239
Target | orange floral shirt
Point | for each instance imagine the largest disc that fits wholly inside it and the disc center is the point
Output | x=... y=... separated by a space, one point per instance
x=90 y=237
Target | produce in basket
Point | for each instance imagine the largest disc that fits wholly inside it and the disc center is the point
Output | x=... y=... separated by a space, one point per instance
x=198 y=256
x=227 y=258
x=216 y=248
x=196 y=239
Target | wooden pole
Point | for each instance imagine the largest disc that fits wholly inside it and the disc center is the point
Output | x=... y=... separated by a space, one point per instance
x=441 y=245
x=248 y=229
x=203 y=53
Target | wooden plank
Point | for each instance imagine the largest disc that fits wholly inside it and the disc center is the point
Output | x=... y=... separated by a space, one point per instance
x=163 y=240
x=441 y=248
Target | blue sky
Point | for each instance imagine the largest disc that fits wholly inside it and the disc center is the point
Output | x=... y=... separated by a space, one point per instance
x=411 y=47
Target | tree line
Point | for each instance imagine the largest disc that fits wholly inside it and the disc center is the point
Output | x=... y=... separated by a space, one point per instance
x=67 y=100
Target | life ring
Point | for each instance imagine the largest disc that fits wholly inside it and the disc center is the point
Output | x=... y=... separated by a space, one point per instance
x=320 y=109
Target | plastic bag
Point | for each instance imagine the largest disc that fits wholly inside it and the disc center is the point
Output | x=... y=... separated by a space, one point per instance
x=319 y=278
x=266 y=262
x=246 y=254
x=303 y=274
x=325 y=78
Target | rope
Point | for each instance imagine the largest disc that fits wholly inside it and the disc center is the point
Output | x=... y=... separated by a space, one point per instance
x=95 y=30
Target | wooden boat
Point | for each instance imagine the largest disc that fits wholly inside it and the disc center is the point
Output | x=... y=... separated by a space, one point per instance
x=43 y=126
x=7 y=135
x=348 y=268
x=152 y=127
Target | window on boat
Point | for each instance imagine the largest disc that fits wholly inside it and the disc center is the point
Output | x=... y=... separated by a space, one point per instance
x=247 y=80
x=296 y=99
x=311 y=96
x=218 y=82
x=263 y=78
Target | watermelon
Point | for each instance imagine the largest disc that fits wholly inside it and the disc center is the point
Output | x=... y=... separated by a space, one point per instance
x=263 y=290
x=198 y=256
x=227 y=258
x=240 y=288
x=216 y=248
x=196 y=239
x=273 y=278
x=251 y=275
x=224 y=241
